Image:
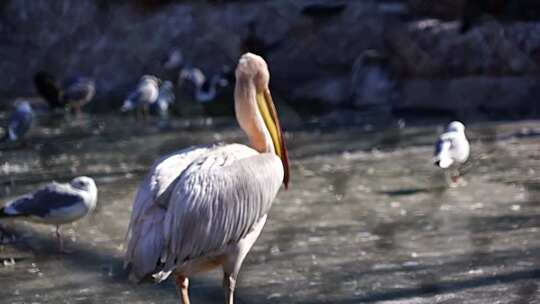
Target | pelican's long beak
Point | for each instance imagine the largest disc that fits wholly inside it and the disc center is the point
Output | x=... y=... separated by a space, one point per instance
x=269 y=114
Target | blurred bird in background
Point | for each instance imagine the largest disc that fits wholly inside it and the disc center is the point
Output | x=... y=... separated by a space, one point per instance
x=77 y=92
x=145 y=94
x=73 y=93
x=164 y=100
x=48 y=87
x=20 y=122
x=201 y=88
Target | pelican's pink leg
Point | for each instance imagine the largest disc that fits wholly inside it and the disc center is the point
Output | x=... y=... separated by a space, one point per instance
x=229 y=283
x=182 y=284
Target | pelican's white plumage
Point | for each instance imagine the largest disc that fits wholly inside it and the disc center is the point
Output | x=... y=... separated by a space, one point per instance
x=452 y=146
x=204 y=207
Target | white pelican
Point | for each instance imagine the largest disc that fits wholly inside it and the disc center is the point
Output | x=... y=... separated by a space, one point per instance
x=55 y=204
x=452 y=148
x=204 y=207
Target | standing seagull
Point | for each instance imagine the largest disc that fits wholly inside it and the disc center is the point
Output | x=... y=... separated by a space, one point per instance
x=20 y=121
x=204 y=207
x=452 y=148
x=55 y=204
x=77 y=92
x=165 y=99
x=143 y=96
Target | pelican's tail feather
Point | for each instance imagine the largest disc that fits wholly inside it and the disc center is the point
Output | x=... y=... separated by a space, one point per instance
x=145 y=244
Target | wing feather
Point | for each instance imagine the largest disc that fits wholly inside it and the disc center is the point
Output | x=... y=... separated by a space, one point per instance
x=145 y=232
x=44 y=201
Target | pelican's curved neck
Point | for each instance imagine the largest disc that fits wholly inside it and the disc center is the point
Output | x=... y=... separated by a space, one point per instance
x=249 y=117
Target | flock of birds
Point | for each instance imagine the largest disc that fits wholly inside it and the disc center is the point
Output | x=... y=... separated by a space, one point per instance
x=151 y=96
x=202 y=207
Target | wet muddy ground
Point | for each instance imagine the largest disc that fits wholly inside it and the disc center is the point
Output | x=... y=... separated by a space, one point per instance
x=367 y=218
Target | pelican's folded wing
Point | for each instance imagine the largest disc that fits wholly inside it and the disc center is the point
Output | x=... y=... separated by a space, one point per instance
x=217 y=202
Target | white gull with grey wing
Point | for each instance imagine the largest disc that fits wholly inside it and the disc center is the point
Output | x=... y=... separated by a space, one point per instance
x=55 y=203
x=452 y=146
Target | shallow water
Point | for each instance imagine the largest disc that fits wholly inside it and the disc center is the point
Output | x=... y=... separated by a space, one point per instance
x=367 y=218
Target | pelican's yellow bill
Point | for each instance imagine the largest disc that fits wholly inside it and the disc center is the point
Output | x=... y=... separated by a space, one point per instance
x=269 y=114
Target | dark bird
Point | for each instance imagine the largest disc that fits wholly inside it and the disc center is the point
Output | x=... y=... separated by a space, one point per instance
x=48 y=87
x=74 y=92
x=55 y=204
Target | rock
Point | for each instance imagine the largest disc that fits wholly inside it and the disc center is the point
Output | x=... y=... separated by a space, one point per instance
x=469 y=95
x=372 y=85
x=430 y=48
x=491 y=69
x=329 y=91
x=445 y=9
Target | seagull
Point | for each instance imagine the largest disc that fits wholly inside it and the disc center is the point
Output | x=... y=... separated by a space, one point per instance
x=77 y=92
x=452 y=148
x=204 y=207
x=165 y=99
x=143 y=96
x=55 y=204
x=20 y=121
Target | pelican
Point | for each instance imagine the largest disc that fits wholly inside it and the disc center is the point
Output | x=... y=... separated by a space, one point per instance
x=204 y=207
x=452 y=148
x=55 y=204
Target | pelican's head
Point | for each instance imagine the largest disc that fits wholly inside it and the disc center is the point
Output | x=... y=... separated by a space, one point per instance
x=255 y=110
x=455 y=126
